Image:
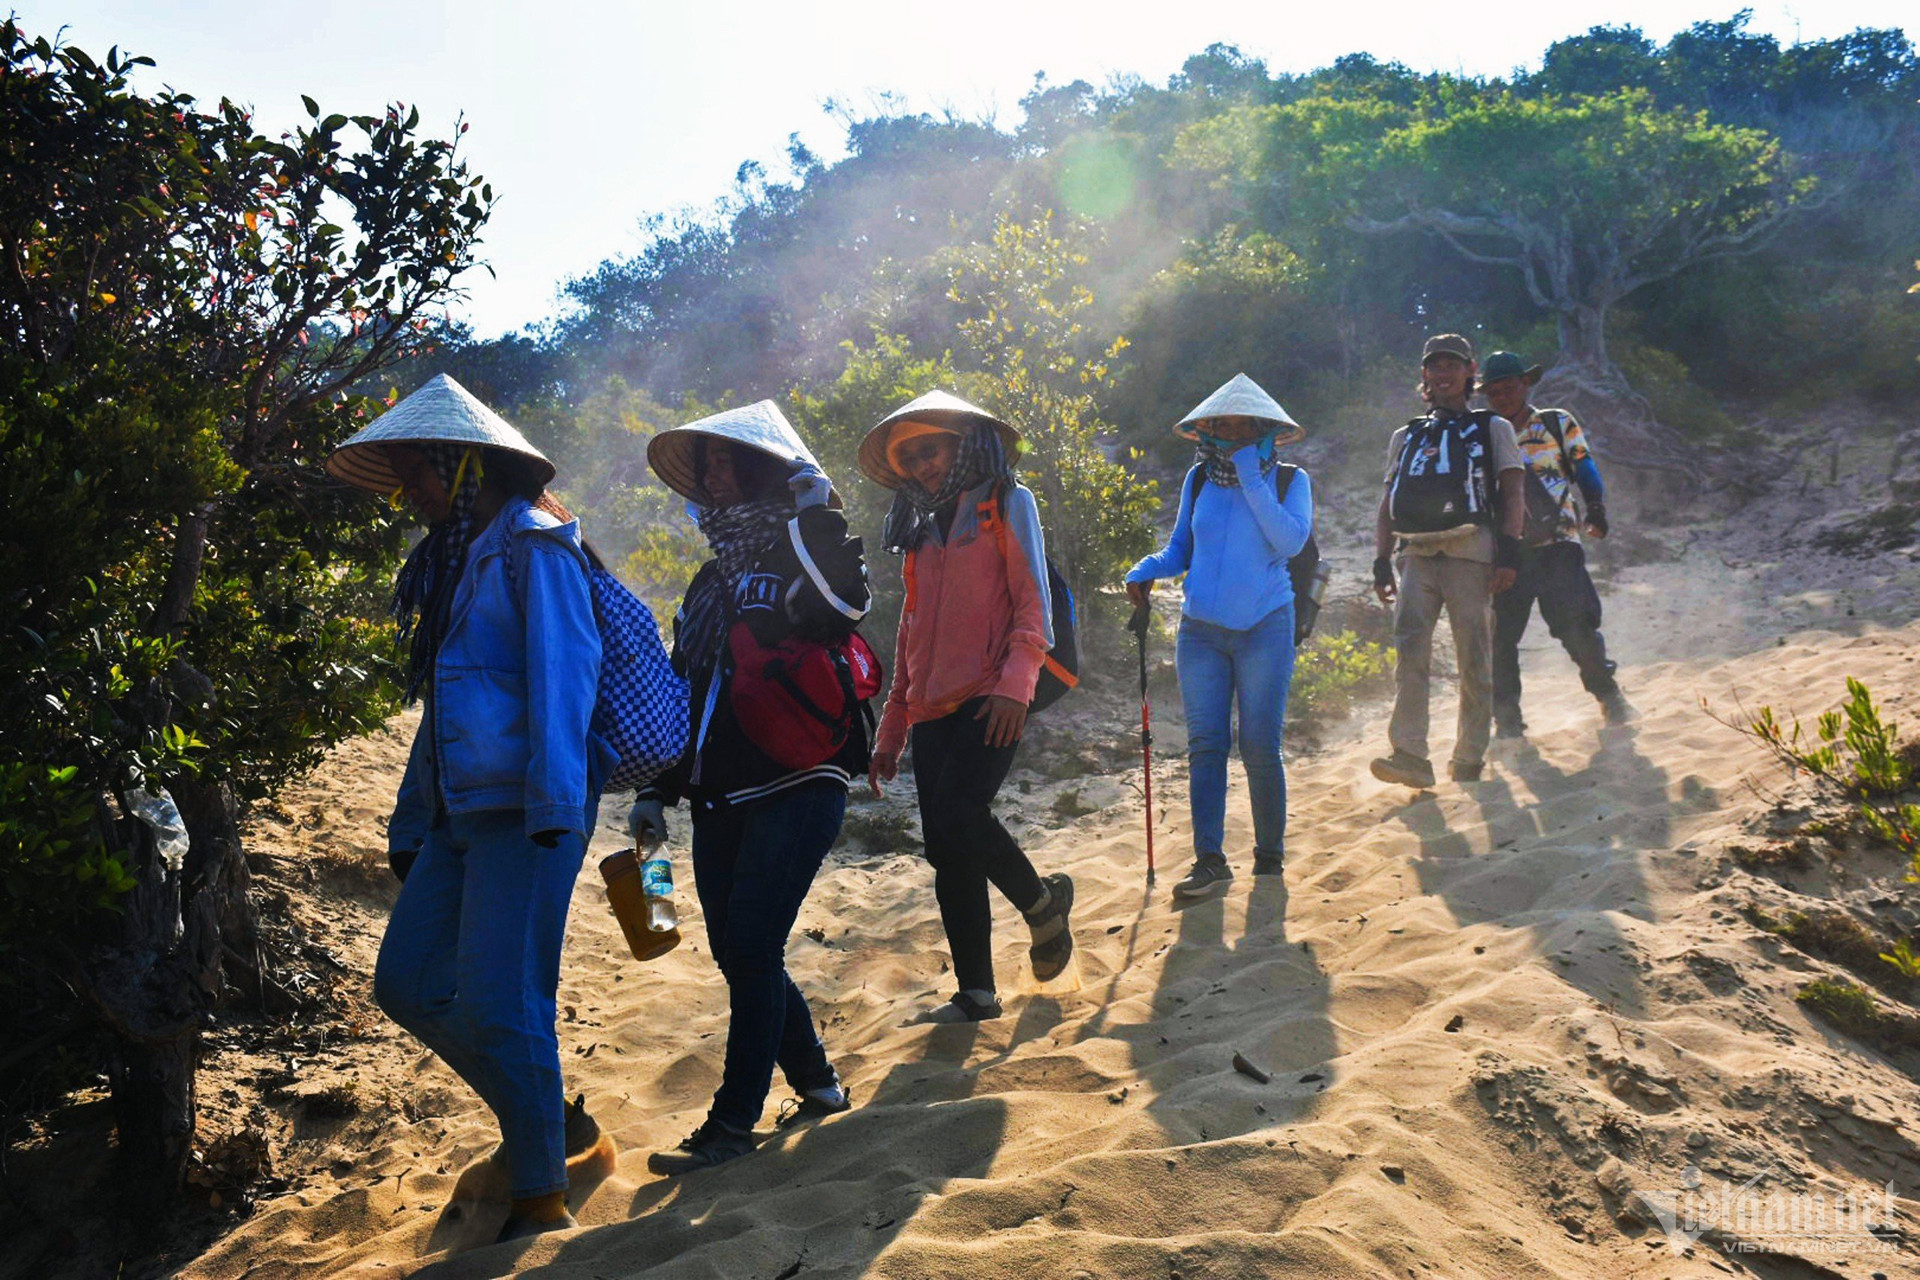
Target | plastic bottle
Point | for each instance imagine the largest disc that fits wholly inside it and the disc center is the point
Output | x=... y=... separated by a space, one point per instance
x=641 y=897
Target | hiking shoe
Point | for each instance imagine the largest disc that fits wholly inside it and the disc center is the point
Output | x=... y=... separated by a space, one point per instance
x=590 y=1153
x=1465 y=770
x=1052 y=939
x=712 y=1143
x=1615 y=708
x=519 y=1228
x=1268 y=864
x=1407 y=770
x=1207 y=876
x=965 y=1006
x=814 y=1104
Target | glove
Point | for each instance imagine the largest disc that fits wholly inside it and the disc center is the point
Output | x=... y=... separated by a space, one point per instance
x=810 y=487
x=1383 y=572
x=1266 y=446
x=1506 y=552
x=647 y=820
x=1597 y=516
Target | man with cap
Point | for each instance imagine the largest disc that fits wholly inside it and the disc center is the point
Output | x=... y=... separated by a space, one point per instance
x=1453 y=508
x=1553 y=565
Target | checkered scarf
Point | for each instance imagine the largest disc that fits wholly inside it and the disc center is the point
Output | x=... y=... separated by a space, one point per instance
x=737 y=534
x=981 y=457
x=1217 y=458
x=423 y=593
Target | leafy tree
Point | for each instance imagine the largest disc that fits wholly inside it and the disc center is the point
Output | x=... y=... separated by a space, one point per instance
x=1023 y=327
x=186 y=308
x=1589 y=200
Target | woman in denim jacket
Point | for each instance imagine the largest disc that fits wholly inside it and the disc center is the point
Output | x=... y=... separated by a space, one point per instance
x=1235 y=533
x=501 y=787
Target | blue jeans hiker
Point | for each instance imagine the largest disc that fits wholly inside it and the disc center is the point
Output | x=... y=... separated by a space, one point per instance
x=1224 y=671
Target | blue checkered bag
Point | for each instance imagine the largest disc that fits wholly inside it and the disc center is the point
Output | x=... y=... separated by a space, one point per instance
x=641 y=705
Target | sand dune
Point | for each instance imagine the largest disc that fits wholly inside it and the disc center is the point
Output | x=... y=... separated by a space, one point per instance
x=1492 y=1014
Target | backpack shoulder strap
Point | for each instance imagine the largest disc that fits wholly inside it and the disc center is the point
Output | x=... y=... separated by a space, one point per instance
x=1555 y=421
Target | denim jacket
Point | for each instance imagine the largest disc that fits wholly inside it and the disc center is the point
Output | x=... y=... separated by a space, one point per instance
x=509 y=708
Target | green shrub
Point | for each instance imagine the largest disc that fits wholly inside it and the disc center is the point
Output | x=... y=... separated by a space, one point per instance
x=1331 y=672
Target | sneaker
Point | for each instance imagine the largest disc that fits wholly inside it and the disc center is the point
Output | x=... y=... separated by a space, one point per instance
x=813 y=1104
x=965 y=1006
x=1615 y=708
x=1407 y=770
x=1465 y=770
x=1052 y=939
x=1207 y=876
x=712 y=1143
x=1268 y=864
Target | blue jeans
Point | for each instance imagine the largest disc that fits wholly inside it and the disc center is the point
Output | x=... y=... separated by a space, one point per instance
x=752 y=867
x=470 y=965
x=1219 y=668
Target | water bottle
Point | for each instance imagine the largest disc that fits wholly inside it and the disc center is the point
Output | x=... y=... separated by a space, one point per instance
x=641 y=897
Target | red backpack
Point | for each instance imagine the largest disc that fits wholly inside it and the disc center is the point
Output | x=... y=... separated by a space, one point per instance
x=801 y=697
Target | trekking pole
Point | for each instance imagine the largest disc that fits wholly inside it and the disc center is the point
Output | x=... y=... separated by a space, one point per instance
x=1142 y=615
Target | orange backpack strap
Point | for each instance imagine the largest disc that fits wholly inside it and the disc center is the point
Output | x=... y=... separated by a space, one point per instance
x=990 y=510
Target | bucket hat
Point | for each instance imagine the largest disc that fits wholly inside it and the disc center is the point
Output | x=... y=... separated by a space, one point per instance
x=1505 y=364
x=760 y=426
x=1241 y=397
x=936 y=408
x=442 y=411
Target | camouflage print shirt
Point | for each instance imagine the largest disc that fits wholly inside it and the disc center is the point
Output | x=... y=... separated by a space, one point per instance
x=1553 y=463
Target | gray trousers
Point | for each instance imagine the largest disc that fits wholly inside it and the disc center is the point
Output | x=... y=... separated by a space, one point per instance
x=1465 y=589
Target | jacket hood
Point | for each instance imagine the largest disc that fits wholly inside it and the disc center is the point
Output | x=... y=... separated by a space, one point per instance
x=1241 y=397
x=442 y=411
x=759 y=426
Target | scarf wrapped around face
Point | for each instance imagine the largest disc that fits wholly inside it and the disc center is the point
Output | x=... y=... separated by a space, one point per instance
x=1216 y=455
x=423 y=593
x=981 y=457
x=737 y=534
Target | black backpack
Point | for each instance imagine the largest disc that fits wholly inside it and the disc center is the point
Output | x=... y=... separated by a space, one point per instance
x=1440 y=480
x=1302 y=569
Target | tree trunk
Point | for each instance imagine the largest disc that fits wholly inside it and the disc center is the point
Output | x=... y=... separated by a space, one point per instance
x=158 y=976
x=154 y=982
x=1583 y=341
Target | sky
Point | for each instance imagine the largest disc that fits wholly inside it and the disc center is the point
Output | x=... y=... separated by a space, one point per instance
x=590 y=115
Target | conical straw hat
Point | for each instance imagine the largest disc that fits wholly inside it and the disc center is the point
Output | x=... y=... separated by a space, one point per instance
x=1241 y=397
x=937 y=408
x=442 y=410
x=759 y=426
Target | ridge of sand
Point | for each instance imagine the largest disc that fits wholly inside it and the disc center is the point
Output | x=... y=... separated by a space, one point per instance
x=1491 y=1014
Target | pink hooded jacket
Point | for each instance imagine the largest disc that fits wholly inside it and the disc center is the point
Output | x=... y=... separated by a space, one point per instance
x=977 y=621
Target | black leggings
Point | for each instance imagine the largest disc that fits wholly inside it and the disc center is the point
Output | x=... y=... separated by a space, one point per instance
x=957 y=775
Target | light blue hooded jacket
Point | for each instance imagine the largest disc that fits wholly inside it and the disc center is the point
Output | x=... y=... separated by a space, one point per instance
x=509 y=712
x=1234 y=544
